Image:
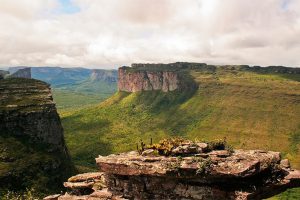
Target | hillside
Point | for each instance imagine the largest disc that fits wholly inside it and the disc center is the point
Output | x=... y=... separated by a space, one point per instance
x=33 y=154
x=251 y=108
x=239 y=105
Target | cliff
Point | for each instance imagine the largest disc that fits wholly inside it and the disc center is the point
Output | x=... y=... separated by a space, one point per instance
x=32 y=147
x=150 y=77
x=182 y=169
x=27 y=109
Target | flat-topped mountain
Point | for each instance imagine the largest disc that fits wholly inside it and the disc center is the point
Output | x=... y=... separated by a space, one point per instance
x=174 y=76
x=33 y=153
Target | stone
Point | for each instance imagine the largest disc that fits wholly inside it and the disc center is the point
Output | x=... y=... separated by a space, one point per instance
x=79 y=185
x=285 y=163
x=52 y=197
x=148 y=152
x=190 y=175
x=86 y=177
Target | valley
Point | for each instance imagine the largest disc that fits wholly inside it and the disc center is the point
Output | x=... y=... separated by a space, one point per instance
x=251 y=109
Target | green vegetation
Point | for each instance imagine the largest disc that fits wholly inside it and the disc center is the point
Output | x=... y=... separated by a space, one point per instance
x=25 y=165
x=252 y=110
x=82 y=94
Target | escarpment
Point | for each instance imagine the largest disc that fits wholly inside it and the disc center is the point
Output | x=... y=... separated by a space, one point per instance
x=32 y=147
x=27 y=109
x=150 y=77
x=182 y=169
x=175 y=76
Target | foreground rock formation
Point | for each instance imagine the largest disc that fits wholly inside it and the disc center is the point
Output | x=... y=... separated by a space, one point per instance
x=180 y=169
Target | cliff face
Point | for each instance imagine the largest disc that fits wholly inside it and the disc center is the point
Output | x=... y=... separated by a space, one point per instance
x=147 y=80
x=32 y=146
x=27 y=109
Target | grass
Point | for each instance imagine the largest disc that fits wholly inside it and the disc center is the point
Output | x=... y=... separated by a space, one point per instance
x=82 y=94
x=71 y=100
x=252 y=110
x=25 y=165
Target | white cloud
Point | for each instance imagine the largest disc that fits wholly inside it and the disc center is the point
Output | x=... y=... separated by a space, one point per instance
x=118 y=32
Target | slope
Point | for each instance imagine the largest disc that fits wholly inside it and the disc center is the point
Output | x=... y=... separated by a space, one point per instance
x=252 y=110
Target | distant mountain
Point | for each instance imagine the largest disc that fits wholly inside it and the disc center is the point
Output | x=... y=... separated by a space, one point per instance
x=57 y=76
x=76 y=87
x=3 y=74
x=110 y=76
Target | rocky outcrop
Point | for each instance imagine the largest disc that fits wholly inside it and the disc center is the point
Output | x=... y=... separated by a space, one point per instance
x=149 y=77
x=22 y=73
x=146 y=80
x=186 y=170
x=109 y=76
x=27 y=109
x=32 y=147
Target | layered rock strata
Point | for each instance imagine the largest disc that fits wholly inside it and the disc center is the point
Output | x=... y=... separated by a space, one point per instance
x=147 y=80
x=189 y=171
x=32 y=148
x=27 y=109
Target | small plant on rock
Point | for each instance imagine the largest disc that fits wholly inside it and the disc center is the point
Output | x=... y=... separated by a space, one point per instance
x=204 y=166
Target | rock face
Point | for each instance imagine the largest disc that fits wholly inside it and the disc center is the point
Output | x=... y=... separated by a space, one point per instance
x=32 y=147
x=173 y=76
x=186 y=170
x=109 y=76
x=27 y=109
x=22 y=73
x=146 y=81
x=148 y=77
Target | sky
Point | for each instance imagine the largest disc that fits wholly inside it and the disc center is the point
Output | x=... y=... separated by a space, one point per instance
x=112 y=33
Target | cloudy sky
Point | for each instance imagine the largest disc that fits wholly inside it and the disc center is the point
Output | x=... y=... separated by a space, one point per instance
x=110 y=33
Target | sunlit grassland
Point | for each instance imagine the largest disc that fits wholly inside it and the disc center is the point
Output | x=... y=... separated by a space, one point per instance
x=253 y=111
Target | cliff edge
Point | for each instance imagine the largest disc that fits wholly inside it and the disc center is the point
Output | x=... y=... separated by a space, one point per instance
x=150 y=77
x=32 y=148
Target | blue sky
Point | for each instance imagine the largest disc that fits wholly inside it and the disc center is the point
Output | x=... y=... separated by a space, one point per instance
x=68 y=7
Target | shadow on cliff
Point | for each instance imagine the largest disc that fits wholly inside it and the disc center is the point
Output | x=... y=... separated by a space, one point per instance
x=159 y=101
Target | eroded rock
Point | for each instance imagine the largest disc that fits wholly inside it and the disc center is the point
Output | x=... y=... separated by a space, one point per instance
x=215 y=173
